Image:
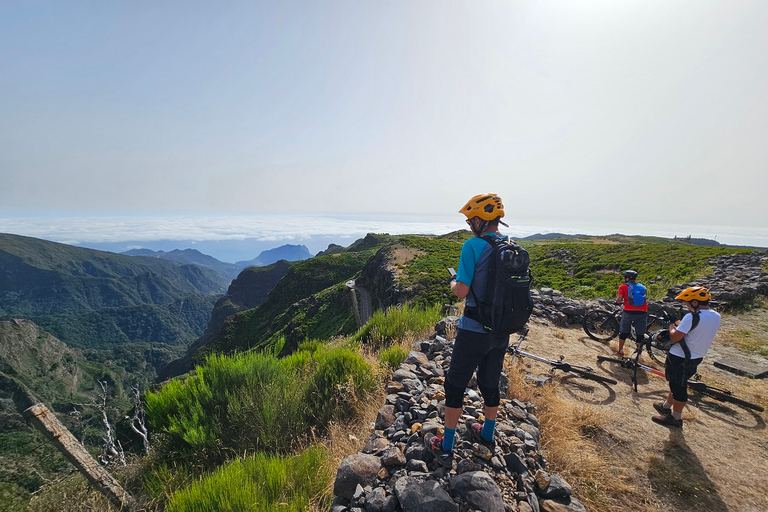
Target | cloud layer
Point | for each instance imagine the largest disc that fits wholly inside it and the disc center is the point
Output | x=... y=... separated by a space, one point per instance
x=112 y=228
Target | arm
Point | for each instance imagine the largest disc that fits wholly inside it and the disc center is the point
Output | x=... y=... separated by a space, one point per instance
x=459 y=289
x=619 y=296
x=676 y=335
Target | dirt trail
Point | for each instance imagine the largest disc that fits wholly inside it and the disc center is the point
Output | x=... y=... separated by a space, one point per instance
x=722 y=448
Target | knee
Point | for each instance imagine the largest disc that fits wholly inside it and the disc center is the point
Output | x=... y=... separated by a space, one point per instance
x=679 y=393
x=491 y=396
x=454 y=395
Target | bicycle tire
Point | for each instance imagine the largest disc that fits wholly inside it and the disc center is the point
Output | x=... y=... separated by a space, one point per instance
x=600 y=325
x=655 y=350
x=592 y=376
x=725 y=397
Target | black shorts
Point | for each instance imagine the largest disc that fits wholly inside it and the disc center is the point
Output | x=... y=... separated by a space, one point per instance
x=630 y=318
x=678 y=371
x=481 y=351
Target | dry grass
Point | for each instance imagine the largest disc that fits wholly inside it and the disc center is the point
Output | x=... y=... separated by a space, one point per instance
x=601 y=439
x=571 y=434
x=747 y=331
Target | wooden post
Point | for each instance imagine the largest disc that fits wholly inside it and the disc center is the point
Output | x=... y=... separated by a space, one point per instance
x=43 y=420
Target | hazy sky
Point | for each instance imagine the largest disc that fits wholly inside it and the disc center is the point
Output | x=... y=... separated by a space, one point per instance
x=570 y=110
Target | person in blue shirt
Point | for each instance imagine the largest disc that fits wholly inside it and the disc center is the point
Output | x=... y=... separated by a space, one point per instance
x=474 y=348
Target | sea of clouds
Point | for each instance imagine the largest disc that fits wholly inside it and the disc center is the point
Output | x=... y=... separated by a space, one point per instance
x=122 y=231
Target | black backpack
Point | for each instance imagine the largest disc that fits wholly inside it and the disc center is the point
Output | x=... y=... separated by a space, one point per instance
x=508 y=303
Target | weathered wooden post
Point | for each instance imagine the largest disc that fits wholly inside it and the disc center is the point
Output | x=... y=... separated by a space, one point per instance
x=355 y=308
x=46 y=422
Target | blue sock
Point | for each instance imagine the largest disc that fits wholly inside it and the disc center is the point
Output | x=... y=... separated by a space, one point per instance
x=488 y=428
x=448 y=437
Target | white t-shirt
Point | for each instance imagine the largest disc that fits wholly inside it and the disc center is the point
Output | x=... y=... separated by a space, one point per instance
x=700 y=339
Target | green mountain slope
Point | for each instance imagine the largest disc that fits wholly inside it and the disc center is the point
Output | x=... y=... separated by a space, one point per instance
x=82 y=295
x=311 y=301
x=260 y=327
x=65 y=379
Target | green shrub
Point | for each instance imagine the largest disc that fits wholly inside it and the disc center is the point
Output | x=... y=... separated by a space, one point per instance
x=583 y=269
x=394 y=324
x=340 y=377
x=256 y=402
x=393 y=356
x=258 y=483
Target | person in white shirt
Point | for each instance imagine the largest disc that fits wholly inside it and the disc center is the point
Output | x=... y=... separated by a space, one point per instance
x=692 y=336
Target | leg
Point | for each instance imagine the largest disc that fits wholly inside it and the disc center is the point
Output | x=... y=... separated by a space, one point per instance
x=452 y=415
x=488 y=374
x=625 y=327
x=467 y=351
x=622 y=340
x=672 y=413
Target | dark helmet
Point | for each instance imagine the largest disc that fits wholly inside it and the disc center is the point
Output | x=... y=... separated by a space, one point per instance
x=631 y=274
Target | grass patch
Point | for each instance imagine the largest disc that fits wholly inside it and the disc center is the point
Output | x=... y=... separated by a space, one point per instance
x=256 y=402
x=259 y=482
x=386 y=327
x=587 y=269
x=391 y=357
x=747 y=330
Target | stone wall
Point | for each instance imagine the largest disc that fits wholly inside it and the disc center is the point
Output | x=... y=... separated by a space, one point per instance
x=396 y=472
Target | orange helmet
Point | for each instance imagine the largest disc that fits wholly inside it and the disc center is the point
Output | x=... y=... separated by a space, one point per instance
x=698 y=293
x=485 y=206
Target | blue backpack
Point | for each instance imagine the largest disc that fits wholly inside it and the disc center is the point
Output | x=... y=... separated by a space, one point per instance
x=637 y=294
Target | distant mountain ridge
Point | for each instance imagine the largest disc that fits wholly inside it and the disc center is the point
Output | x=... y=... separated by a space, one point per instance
x=90 y=298
x=688 y=239
x=190 y=256
x=286 y=252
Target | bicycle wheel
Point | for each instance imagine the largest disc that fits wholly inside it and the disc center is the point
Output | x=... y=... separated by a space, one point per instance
x=655 y=348
x=600 y=325
x=725 y=397
x=592 y=376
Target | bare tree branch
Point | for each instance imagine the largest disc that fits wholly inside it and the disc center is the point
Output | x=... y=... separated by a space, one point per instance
x=138 y=420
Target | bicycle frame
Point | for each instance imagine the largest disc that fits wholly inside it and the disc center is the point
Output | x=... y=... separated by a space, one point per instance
x=694 y=384
x=558 y=364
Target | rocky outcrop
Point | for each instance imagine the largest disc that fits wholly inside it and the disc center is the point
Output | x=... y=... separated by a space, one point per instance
x=395 y=471
x=736 y=280
x=379 y=278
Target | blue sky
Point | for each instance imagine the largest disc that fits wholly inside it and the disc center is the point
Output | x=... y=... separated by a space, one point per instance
x=586 y=111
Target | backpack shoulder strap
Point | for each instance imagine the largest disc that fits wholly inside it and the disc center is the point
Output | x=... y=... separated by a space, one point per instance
x=695 y=319
x=491 y=240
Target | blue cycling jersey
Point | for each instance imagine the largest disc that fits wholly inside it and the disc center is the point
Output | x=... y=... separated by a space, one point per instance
x=473 y=271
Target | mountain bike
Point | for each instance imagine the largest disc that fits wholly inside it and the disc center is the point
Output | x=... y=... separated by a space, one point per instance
x=603 y=325
x=694 y=384
x=601 y=322
x=585 y=372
